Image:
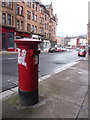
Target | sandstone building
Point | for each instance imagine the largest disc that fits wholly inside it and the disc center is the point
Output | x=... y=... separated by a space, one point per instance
x=26 y=19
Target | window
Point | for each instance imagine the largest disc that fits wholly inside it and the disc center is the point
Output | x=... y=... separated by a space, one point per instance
x=29 y=3
x=18 y=24
x=45 y=17
x=35 y=29
x=35 y=18
x=9 y=19
x=12 y=20
x=17 y=9
x=32 y=28
x=9 y=4
x=41 y=20
x=41 y=10
x=45 y=34
x=3 y=18
x=50 y=35
x=28 y=27
x=36 y=7
x=21 y=27
x=33 y=5
x=45 y=26
x=21 y=10
x=28 y=15
x=49 y=27
x=41 y=31
x=3 y=4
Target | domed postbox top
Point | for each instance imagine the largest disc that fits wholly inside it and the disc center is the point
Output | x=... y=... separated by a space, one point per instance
x=27 y=41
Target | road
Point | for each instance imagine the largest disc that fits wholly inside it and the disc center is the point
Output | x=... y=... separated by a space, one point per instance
x=48 y=64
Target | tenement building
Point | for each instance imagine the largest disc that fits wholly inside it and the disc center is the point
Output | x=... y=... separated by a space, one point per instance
x=28 y=18
x=88 y=28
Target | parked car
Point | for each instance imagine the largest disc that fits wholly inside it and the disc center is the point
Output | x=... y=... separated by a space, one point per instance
x=68 y=48
x=63 y=49
x=58 y=49
x=77 y=49
x=82 y=52
x=51 y=50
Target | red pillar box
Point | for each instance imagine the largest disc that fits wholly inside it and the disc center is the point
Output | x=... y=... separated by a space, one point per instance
x=28 y=60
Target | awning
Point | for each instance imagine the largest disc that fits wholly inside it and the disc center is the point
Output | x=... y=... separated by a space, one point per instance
x=5 y=30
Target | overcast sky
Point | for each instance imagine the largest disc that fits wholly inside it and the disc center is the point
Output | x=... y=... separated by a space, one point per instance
x=72 y=16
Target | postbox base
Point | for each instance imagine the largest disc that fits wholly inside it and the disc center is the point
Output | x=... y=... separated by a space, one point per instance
x=28 y=98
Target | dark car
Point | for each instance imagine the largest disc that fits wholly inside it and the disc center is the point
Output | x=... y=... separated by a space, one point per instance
x=51 y=50
x=82 y=52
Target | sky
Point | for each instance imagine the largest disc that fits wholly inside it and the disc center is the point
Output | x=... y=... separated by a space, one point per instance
x=72 y=16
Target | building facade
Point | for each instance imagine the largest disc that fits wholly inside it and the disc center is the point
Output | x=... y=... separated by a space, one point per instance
x=74 y=42
x=88 y=37
x=60 y=40
x=28 y=18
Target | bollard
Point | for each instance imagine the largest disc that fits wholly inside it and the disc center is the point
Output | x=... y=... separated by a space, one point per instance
x=28 y=61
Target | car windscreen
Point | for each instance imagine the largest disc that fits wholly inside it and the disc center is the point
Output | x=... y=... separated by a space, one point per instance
x=82 y=50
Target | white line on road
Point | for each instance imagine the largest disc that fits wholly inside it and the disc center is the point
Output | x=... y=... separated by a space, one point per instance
x=12 y=58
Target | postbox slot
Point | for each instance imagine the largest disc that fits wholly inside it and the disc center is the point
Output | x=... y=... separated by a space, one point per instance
x=36 y=51
x=36 y=59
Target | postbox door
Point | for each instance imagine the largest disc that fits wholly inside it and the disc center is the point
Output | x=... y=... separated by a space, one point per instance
x=28 y=69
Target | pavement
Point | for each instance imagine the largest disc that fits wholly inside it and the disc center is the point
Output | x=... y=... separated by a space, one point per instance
x=63 y=95
x=8 y=53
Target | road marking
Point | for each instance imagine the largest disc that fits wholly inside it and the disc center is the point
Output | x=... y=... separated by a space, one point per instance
x=79 y=72
x=6 y=94
x=11 y=80
x=16 y=83
x=12 y=58
x=44 y=77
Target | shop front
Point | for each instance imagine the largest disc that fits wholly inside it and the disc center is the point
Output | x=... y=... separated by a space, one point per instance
x=8 y=39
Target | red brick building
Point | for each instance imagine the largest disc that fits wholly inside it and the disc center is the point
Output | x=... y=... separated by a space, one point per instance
x=24 y=19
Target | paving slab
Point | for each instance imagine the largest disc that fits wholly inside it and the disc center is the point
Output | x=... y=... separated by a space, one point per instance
x=62 y=109
x=83 y=113
x=69 y=91
x=47 y=108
